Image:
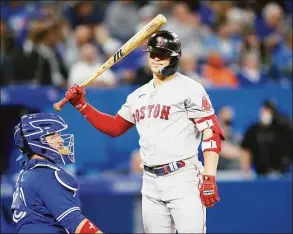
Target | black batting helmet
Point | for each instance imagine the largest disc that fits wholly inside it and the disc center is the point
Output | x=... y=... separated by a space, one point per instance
x=166 y=43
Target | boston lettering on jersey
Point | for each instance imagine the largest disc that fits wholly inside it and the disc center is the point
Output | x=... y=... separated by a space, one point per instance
x=152 y=111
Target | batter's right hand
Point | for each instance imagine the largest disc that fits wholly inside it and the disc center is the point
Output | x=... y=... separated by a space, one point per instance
x=76 y=97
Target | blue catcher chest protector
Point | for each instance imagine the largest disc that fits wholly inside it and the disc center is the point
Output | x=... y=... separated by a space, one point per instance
x=30 y=137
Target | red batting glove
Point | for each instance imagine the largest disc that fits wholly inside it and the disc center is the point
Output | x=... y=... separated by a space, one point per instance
x=209 y=191
x=76 y=97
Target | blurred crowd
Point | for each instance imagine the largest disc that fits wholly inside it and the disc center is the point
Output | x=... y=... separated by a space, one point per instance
x=224 y=43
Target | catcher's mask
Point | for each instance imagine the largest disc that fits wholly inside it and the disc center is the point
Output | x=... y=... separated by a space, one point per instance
x=40 y=133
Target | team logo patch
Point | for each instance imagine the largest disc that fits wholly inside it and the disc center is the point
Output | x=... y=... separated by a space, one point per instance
x=160 y=41
x=205 y=104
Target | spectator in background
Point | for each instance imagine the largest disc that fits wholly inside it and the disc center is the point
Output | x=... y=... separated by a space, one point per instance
x=139 y=76
x=250 y=73
x=108 y=44
x=220 y=9
x=187 y=24
x=9 y=56
x=251 y=44
x=47 y=68
x=40 y=11
x=239 y=21
x=7 y=39
x=189 y=66
x=50 y=9
x=17 y=15
x=207 y=15
x=153 y=8
x=84 y=13
x=146 y=14
x=121 y=17
x=163 y=7
x=269 y=25
x=219 y=75
x=231 y=151
x=282 y=59
x=224 y=44
x=20 y=13
x=270 y=28
x=267 y=144
x=65 y=35
x=81 y=35
x=212 y=12
x=87 y=66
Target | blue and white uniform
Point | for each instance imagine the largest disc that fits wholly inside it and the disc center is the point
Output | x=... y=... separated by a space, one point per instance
x=45 y=199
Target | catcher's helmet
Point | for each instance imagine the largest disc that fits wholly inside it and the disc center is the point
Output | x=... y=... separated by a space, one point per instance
x=166 y=43
x=30 y=133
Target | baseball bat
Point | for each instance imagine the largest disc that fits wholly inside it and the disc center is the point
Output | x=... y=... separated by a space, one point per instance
x=129 y=46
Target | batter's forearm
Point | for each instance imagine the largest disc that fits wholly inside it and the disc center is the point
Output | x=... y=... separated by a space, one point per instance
x=210 y=157
x=210 y=162
x=111 y=125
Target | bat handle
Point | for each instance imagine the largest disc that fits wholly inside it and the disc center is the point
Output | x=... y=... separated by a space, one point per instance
x=58 y=106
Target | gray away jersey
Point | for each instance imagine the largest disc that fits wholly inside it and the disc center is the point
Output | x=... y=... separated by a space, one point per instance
x=163 y=118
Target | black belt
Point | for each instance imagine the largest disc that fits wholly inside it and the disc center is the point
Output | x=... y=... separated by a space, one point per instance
x=166 y=168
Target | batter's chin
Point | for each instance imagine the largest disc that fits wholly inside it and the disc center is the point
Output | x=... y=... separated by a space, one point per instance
x=156 y=69
x=157 y=72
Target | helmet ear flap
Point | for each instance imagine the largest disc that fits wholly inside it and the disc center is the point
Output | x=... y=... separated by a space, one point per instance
x=171 y=68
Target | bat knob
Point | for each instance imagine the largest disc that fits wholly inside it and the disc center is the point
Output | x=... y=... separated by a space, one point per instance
x=58 y=106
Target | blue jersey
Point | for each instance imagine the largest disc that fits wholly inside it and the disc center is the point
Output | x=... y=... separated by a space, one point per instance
x=45 y=199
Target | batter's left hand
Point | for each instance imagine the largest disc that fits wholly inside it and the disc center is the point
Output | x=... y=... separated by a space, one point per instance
x=209 y=191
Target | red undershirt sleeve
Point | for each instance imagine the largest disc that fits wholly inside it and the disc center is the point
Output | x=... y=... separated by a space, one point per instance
x=111 y=125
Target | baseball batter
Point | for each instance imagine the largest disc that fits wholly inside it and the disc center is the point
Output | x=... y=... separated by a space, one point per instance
x=172 y=114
